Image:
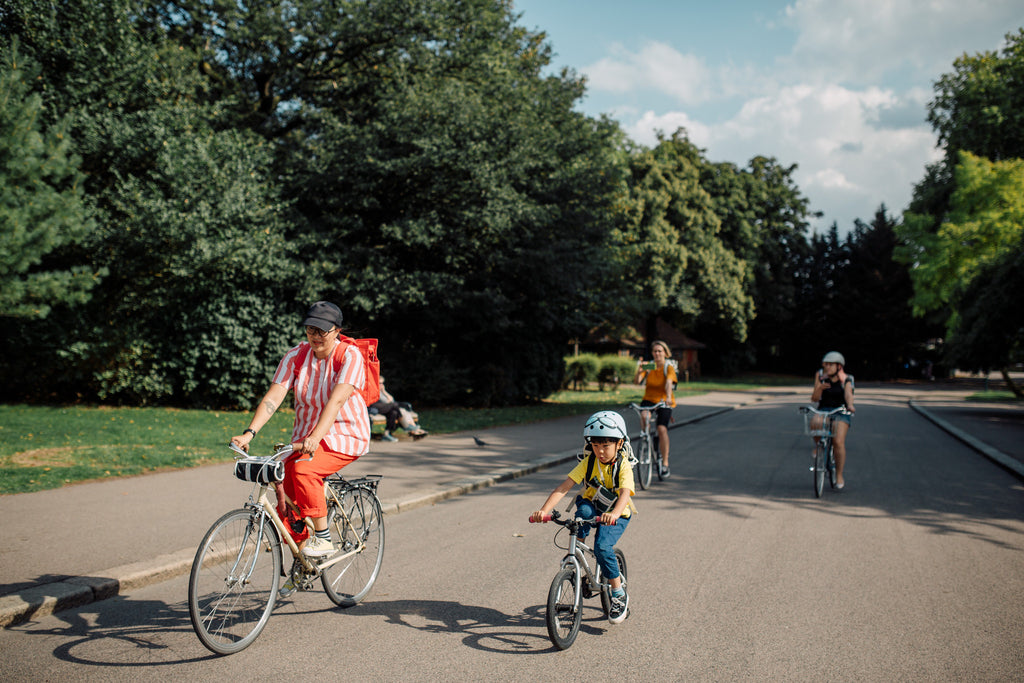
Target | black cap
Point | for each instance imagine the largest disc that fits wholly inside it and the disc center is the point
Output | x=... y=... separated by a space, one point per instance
x=323 y=315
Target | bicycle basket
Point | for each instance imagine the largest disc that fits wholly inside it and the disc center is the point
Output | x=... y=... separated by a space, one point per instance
x=260 y=470
x=816 y=424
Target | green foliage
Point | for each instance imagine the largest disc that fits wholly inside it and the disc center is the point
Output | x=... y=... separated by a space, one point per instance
x=413 y=161
x=615 y=370
x=581 y=370
x=42 y=205
x=989 y=327
x=985 y=221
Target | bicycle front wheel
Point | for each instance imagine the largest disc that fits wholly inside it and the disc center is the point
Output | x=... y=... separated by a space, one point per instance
x=233 y=584
x=357 y=528
x=645 y=462
x=819 y=469
x=565 y=609
x=833 y=478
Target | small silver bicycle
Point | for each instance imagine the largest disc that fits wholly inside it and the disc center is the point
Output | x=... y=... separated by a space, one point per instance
x=578 y=577
x=233 y=586
x=646 y=458
x=818 y=423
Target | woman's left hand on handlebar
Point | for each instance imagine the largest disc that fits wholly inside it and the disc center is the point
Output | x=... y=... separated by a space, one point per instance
x=242 y=441
x=608 y=518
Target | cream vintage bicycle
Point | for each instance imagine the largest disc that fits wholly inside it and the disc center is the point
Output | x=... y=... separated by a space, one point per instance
x=235 y=576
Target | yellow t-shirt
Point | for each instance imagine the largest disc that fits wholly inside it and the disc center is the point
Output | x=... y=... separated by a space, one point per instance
x=655 y=384
x=603 y=473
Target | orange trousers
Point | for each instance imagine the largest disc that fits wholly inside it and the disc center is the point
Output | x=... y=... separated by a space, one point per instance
x=304 y=480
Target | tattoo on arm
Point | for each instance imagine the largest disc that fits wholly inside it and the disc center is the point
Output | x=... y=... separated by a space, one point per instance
x=269 y=407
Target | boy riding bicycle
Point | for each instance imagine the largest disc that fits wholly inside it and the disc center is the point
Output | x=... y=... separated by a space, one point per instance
x=608 y=478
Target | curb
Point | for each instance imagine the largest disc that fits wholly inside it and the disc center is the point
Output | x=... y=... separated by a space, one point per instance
x=76 y=591
x=993 y=454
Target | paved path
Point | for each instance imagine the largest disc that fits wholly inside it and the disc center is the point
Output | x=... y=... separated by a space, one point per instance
x=105 y=538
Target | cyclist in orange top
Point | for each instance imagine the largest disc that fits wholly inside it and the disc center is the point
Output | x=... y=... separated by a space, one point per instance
x=659 y=386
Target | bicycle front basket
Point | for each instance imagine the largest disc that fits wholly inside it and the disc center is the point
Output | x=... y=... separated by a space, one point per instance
x=260 y=470
x=816 y=424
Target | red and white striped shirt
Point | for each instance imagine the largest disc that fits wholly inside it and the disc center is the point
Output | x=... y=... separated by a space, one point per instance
x=313 y=384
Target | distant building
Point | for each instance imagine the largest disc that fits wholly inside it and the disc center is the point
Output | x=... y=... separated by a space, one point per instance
x=633 y=343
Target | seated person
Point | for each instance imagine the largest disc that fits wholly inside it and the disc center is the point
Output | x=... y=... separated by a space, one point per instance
x=396 y=414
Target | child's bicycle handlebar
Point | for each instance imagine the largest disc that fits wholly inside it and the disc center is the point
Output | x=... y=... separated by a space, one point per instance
x=556 y=517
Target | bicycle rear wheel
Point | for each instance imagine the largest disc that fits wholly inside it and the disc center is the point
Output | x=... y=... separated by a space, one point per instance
x=819 y=469
x=233 y=584
x=565 y=609
x=606 y=599
x=362 y=524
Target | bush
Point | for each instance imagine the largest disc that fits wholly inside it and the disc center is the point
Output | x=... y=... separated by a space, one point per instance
x=615 y=370
x=581 y=369
x=607 y=370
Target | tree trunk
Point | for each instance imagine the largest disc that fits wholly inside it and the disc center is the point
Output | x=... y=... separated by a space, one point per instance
x=1009 y=382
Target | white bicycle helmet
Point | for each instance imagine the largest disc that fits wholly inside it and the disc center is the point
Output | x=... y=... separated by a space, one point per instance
x=605 y=423
x=834 y=357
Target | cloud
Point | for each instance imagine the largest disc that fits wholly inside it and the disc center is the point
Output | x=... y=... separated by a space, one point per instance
x=656 y=66
x=846 y=100
x=848 y=162
x=862 y=41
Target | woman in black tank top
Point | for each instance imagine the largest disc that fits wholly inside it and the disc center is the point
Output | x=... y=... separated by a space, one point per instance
x=833 y=388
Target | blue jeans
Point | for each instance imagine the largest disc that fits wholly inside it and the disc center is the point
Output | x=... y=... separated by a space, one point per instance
x=605 y=538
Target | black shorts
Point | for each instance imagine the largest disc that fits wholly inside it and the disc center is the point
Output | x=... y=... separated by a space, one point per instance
x=664 y=414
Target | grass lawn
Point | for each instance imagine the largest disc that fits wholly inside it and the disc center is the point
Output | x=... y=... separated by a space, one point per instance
x=43 y=447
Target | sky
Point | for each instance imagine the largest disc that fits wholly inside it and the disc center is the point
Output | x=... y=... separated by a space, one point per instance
x=840 y=88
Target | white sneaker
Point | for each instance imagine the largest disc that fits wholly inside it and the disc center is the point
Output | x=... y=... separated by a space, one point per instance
x=318 y=547
x=619 y=608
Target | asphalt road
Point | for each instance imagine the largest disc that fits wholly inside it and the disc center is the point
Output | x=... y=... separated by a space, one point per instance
x=737 y=572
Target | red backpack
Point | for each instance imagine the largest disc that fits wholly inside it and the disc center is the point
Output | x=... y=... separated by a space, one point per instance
x=367 y=348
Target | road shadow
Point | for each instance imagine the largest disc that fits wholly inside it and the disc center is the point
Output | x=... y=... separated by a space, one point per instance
x=484 y=628
x=120 y=624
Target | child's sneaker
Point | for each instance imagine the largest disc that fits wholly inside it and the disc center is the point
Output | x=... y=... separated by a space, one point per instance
x=388 y=437
x=619 y=609
x=318 y=547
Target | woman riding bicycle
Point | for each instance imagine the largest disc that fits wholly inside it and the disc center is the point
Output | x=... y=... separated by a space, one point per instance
x=659 y=383
x=332 y=426
x=833 y=388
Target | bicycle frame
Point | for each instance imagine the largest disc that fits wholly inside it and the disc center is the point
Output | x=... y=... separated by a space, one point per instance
x=576 y=557
x=267 y=509
x=818 y=424
x=646 y=458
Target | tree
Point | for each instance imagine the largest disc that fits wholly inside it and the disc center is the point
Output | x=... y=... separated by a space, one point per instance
x=990 y=326
x=445 y=192
x=682 y=269
x=764 y=222
x=42 y=204
x=985 y=220
x=879 y=332
x=188 y=220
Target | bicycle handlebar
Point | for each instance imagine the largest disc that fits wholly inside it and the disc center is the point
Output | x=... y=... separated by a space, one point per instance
x=636 y=406
x=279 y=454
x=556 y=517
x=841 y=410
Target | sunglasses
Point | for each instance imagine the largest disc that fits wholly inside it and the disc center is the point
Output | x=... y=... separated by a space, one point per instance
x=317 y=332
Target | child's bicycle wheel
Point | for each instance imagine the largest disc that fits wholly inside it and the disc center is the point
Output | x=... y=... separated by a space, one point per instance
x=565 y=609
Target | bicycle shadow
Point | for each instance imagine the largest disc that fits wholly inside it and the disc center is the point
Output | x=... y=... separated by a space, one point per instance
x=148 y=626
x=485 y=628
